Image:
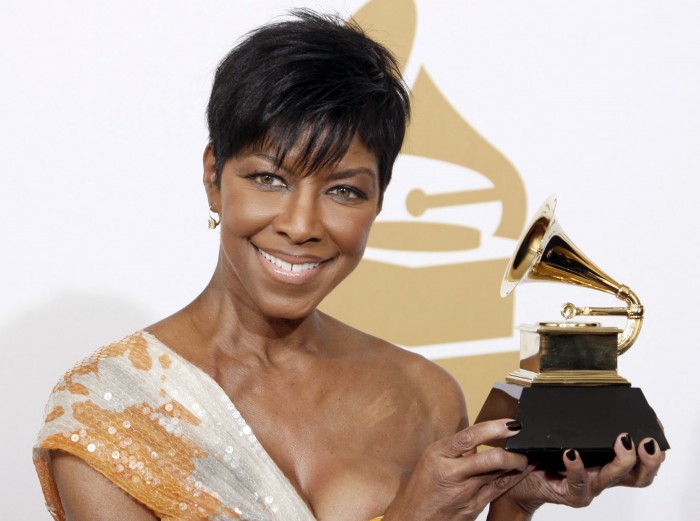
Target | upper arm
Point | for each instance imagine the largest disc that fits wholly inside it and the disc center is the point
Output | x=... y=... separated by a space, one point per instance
x=449 y=404
x=87 y=495
x=443 y=397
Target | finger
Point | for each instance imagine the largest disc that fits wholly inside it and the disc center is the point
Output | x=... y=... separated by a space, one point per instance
x=650 y=457
x=500 y=484
x=576 y=477
x=504 y=481
x=484 y=466
x=620 y=467
x=467 y=440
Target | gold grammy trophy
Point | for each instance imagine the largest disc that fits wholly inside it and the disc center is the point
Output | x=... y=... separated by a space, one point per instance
x=567 y=393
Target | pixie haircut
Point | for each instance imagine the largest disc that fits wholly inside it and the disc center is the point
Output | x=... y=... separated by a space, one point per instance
x=314 y=81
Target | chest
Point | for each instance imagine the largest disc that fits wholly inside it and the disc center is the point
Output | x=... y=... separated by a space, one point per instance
x=334 y=437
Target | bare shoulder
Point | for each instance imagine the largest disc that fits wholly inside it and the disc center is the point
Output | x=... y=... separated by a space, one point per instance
x=88 y=495
x=419 y=381
x=438 y=390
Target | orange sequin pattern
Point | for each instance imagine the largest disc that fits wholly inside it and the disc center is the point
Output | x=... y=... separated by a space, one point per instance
x=163 y=431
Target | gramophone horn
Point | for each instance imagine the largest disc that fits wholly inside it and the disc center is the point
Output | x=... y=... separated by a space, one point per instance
x=545 y=253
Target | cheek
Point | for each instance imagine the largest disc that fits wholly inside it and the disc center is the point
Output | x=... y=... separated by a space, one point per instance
x=244 y=216
x=351 y=232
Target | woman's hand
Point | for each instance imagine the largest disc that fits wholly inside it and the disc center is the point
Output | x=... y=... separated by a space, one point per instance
x=453 y=482
x=579 y=486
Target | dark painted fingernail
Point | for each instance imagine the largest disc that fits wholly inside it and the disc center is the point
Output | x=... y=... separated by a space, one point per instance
x=626 y=442
x=514 y=425
x=650 y=447
x=571 y=454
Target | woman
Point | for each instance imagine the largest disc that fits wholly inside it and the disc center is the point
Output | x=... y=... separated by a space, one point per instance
x=249 y=402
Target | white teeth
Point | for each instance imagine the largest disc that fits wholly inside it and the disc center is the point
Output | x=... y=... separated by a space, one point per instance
x=288 y=266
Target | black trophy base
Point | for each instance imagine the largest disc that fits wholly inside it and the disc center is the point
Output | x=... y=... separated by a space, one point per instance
x=558 y=418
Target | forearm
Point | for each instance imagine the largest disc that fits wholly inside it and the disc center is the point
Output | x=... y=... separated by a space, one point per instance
x=502 y=509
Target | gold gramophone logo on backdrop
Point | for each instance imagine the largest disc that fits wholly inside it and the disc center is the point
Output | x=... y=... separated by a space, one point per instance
x=449 y=294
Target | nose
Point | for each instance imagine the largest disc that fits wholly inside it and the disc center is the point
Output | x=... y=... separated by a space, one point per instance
x=300 y=217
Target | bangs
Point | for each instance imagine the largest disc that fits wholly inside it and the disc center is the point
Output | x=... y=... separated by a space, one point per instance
x=306 y=88
x=317 y=145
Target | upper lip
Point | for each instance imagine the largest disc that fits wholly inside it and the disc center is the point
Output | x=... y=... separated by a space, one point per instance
x=293 y=258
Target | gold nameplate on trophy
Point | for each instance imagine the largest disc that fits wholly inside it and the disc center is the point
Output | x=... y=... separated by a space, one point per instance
x=567 y=353
x=567 y=393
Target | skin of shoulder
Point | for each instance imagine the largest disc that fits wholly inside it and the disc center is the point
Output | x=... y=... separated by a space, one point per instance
x=420 y=382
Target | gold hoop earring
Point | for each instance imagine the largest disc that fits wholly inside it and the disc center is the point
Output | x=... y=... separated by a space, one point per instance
x=212 y=222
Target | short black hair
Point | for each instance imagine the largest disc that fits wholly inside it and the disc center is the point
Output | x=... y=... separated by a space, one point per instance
x=315 y=81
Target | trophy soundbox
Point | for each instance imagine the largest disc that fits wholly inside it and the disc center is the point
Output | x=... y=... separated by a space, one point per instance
x=567 y=393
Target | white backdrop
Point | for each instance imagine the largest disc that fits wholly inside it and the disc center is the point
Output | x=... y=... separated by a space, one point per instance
x=103 y=218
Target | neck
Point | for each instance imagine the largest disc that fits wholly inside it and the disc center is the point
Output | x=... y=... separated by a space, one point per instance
x=233 y=326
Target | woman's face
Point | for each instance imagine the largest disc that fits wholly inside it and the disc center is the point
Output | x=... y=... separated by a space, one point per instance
x=287 y=240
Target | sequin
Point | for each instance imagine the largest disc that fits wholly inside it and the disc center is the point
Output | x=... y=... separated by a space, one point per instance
x=189 y=446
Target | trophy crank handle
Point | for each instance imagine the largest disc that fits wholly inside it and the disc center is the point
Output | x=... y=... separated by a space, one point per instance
x=634 y=313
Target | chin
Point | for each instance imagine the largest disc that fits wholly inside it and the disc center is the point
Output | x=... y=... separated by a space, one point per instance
x=289 y=310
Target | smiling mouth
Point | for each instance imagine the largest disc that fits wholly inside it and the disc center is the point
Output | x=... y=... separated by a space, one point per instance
x=288 y=266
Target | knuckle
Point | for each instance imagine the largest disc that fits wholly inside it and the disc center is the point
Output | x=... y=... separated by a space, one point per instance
x=579 y=488
x=581 y=501
x=495 y=458
x=465 y=441
x=444 y=477
x=432 y=456
x=503 y=481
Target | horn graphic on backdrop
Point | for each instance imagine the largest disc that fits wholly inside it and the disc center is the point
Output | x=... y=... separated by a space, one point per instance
x=444 y=241
x=570 y=367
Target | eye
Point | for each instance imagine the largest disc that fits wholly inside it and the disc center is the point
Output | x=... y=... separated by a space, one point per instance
x=348 y=193
x=268 y=180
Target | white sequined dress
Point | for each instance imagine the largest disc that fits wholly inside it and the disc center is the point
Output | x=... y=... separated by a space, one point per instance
x=166 y=433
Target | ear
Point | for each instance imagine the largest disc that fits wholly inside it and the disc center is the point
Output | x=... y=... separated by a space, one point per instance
x=210 y=179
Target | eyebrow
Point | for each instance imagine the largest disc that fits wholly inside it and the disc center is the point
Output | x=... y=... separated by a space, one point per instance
x=335 y=176
x=352 y=172
x=270 y=159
